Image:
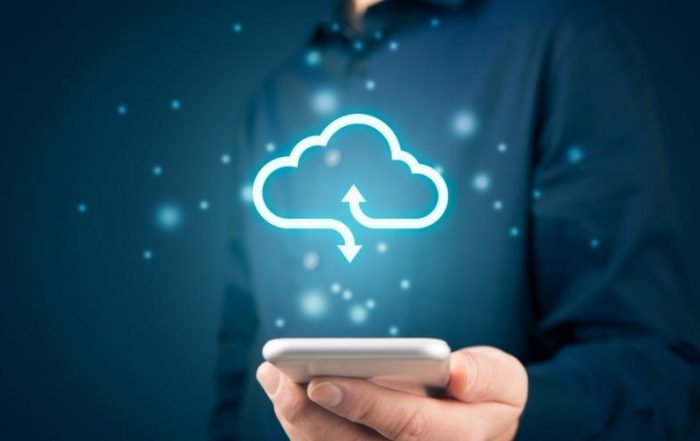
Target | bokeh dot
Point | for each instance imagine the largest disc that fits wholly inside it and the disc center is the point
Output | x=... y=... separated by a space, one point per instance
x=575 y=154
x=147 y=254
x=481 y=182
x=498 y=205
x=336 y=288
x=82 y=207
x=225 y=159
x=311 y=260
x=157 y=170
x=313 y=304
x=313 y=58
x=393 y=46
x=347 y=294
x=370 y=304
x=270 y=147
x=463 y=124
x=332 y=158
x=324 y=102
x=358 y=314
x=370 y=84
x=175 y=104
x=594 y=243
x=246 y=193
x=204 y=205
x=382 y=247
x=405 y=284
x=237 y=27
x=279 y=322
x=514 y=231
x=122 y=109
x=393 y=331
x=168 y=216
x=502 y=147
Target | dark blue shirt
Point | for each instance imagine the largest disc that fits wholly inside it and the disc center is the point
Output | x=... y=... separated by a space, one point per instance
x=558 y=244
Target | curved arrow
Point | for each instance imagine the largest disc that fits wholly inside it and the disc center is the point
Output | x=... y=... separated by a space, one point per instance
x=349 y=248
x=354 y=199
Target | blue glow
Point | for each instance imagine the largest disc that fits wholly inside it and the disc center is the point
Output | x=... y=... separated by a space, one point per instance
x=270 y=147
x=481 y=182
x=225 y=159
x=358 y=314
x=595 y=243
x=405 y=284
x=311 y=261
x=502 y=147
x=370 y=304
x=175 y=104
x=498 y=205
x=157 y=170
x=313 y=58
x=168 y=216
x=370 y=85
x=204 y=205
x=358 y=45
x=313 y=304
x=393 y=45
x=122 y=110
x=434 y=22
x=439 y=169
x=324 y=102
x=378 y=35
x=237 y=28
x=279 y=322
x=463 y=124
x=347 y=295
x=336 y=287
x=393 y=331
x=382 y=247
x=575 y=154
x=247 y=193
x=536 y=194
x=514 y=231
x=147 y=254
x=335 y=27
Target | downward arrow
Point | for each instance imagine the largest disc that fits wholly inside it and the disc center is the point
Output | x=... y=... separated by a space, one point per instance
x=349 y=251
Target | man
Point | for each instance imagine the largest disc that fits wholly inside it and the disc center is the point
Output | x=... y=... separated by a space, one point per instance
x=558 y=247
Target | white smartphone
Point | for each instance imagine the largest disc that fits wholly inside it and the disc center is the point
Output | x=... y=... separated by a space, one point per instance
x=402 y=362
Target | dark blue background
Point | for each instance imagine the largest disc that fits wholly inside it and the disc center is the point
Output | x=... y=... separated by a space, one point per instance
x=98 y=343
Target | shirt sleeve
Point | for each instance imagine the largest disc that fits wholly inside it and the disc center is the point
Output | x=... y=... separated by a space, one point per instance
x=239 y=324
x=618 y=347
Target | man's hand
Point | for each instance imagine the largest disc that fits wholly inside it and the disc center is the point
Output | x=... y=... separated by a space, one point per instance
x=487 y=392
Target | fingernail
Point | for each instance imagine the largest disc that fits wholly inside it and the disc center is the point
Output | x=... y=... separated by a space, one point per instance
x=268 y=378
x=326 y=394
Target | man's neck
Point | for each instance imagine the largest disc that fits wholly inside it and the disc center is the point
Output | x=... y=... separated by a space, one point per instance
x=359 y=7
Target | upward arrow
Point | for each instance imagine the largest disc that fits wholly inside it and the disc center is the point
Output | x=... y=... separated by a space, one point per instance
x=353 y=196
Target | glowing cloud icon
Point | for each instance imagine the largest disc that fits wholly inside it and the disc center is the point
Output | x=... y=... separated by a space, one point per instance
x=353 y=197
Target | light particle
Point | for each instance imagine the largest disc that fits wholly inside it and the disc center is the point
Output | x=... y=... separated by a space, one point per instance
x=122 y=110
x=393 y=46
x=225 y=159
x=311 y=261
x=82 y=207
x=168 y=216
x=157 y=170
x=335 y=288
x=313 y=58
x=463 y=124
x=313 y=304
x=382 y=247
x=393 y=331
x=175 y=104
x=147 y=254
x=237 y=27
x=358 y=314
x=247 y=193
x=481 y=182
x=575 y=154
x=324 y=102
x=497 y=205
x=405 y=284
x=502 y=147
x=370 y=85
x=279 y=322
x=370 y=304
x=347 y=294
x=204 y=205
x=514 y=231
x=332 y=158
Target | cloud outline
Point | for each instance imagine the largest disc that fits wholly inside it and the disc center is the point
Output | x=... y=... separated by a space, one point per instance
x=353 y=197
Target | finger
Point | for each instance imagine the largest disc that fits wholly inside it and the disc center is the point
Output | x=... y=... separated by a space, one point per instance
x=481 y=373
x=394 y=414
x=300 y=417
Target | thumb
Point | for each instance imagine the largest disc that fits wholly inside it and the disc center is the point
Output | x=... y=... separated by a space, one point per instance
x=486 y=374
